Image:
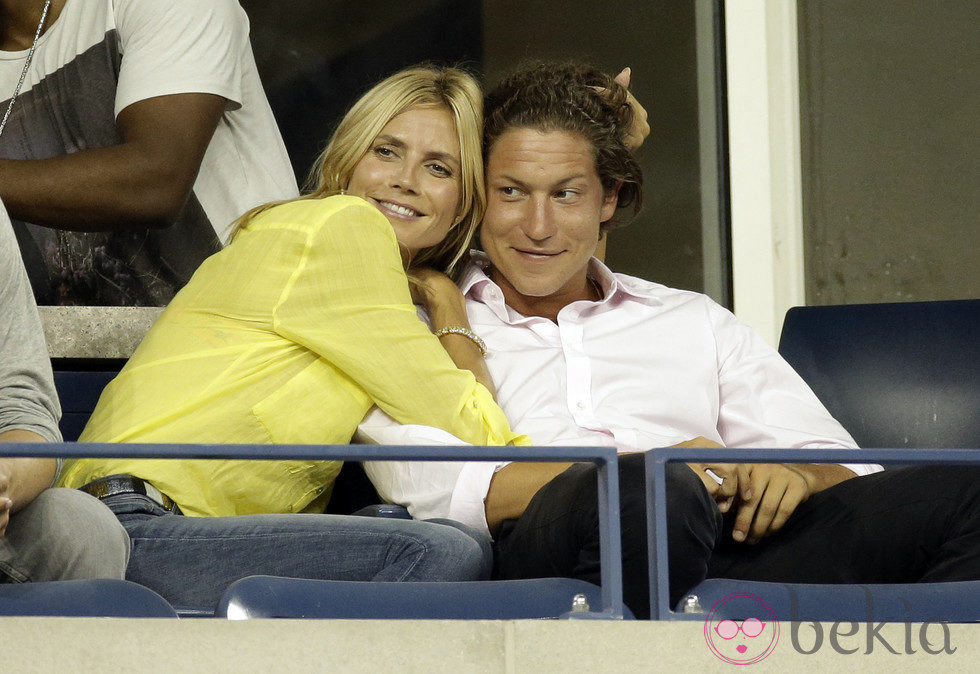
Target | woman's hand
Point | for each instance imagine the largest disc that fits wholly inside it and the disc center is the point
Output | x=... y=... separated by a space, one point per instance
x=640 y=129
x=446 y=307
x=437 y=293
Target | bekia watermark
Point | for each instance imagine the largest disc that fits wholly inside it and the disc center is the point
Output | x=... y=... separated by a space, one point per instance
x=754 y=637
x=744 y=642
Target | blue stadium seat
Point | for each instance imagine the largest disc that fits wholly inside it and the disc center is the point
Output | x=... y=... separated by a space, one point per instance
x=894 y=375
x=274 y=597
x=923 y=602
x=83 y=598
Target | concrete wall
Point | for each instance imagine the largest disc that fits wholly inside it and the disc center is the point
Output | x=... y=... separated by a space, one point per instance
x=405 y=646
x=890 y=93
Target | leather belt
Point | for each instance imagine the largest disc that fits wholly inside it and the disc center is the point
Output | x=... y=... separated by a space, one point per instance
x=111 y=485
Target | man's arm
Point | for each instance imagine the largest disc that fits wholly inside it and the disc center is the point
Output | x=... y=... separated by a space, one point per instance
x=144 y=181
x=514 y=485
x=763 y=402
x=29 y=407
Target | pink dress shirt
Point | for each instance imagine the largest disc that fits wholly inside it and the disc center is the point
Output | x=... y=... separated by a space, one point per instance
x=645 y=367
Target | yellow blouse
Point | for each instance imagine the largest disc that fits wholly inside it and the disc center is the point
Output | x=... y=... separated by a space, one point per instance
x=287 y=336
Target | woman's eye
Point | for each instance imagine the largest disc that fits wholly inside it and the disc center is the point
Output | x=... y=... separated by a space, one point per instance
x=509 y=191
x=384 y=151
x=441 y=170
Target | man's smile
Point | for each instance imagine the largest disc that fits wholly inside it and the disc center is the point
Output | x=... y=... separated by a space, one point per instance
x=537 y=254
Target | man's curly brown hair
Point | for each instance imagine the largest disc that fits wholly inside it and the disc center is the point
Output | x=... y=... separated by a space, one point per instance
x=560 y=97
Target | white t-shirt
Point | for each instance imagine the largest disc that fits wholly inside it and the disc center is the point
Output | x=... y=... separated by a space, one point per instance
x=101 y=56
x=646 y=367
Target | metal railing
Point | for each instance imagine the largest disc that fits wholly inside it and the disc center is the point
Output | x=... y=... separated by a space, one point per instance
x=604 y=458
x=656 y=466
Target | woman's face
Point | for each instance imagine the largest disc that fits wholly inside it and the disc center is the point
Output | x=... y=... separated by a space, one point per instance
x=411 y=173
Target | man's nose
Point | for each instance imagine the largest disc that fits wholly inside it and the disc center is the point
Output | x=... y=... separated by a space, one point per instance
x=540 y=222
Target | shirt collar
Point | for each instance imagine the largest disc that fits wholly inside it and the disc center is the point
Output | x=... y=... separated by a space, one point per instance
x=476 y=285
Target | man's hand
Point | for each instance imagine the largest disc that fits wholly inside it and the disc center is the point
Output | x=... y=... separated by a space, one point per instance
x=731 y=475
x=775 y=491
x=766 y=493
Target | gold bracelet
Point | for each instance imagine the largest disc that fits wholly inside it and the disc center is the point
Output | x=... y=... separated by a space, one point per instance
x=465 y=332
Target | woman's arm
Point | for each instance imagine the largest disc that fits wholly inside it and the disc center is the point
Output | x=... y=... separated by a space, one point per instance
x=446 y=308
x=348 y=301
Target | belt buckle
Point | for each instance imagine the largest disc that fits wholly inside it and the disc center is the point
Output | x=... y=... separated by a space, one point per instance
x=158 y=496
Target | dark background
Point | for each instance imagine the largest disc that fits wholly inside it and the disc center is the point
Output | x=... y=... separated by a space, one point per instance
x=316 y=56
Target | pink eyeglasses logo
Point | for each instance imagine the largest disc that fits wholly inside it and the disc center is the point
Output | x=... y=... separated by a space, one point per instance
x=743 y=642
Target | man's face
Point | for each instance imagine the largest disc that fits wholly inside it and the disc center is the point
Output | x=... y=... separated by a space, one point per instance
x=544 y=207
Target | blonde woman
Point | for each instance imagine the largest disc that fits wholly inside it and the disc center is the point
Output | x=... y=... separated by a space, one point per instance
x=290 y=335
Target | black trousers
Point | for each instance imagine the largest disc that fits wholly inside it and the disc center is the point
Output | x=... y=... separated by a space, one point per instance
x=900 y=526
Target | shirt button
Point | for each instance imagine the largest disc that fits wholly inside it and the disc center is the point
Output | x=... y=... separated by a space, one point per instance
x=581 y=406
x=476 y=405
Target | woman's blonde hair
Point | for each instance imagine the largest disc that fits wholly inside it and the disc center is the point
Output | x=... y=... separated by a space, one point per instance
x=423 y=85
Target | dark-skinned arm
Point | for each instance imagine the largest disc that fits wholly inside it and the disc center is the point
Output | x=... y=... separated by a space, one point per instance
x=144 y=181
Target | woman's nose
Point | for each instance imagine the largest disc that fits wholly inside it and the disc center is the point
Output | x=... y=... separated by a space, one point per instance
x=404 y=178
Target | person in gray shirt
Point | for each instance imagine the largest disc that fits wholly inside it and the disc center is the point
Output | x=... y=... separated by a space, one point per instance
x=45 y=534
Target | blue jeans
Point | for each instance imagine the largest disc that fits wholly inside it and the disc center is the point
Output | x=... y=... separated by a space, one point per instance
x=191 y=560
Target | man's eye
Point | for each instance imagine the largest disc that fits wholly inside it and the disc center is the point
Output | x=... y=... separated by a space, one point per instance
x=565 y=194
x=510 y=191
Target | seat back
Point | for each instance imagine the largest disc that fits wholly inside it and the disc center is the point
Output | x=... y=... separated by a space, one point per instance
x=79 y=391
x=898 y=602
x=273 y=597
x=83 y=598
x=894 y=375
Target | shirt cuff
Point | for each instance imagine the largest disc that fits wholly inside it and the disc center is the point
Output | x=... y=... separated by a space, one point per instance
x=467 y=504
x=862 y=468
x=858 y=469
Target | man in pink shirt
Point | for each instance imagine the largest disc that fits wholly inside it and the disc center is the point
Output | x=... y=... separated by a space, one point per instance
x=582 y=356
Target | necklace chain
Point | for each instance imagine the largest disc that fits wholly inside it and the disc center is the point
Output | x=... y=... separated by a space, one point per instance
x=27 y=64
